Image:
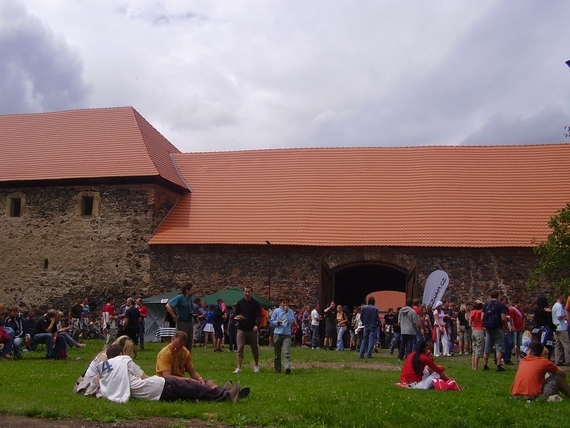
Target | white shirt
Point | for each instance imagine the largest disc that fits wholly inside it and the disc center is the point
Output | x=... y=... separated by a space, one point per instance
x=120 y=378
x=314 y=317
x=558 y=310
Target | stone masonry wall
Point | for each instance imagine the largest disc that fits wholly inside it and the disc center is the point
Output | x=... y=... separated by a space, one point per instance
x=51 y=255
x=473 y=273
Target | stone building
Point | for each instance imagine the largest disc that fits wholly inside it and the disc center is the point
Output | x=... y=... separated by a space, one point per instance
x=98 y=202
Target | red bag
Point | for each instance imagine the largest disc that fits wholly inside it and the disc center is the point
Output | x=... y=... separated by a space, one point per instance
x=445 y=385
x=434 y=334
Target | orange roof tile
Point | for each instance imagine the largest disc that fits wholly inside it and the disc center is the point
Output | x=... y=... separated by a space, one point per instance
x=445 y=196
x=93 y=143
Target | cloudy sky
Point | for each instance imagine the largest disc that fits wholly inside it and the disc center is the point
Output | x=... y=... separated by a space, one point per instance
x=229 y=75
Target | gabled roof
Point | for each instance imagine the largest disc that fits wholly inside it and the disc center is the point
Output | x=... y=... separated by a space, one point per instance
x=93 y=143
x=445 y=196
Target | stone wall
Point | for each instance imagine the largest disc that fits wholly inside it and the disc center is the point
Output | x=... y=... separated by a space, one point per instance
x=296 y=271
x=52 y=254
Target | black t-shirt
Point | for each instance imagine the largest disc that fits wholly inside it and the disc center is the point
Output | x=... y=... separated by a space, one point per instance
x=41 y=326
x=132 y=314
x=251 y=310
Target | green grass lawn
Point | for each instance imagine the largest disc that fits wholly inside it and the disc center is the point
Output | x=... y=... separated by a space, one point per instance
x=325 y=389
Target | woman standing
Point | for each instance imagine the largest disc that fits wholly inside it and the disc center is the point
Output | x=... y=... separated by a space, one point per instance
x=463 y=330
x=440 y=330
x=477 y=334
x=341 y=321
x=131 y=322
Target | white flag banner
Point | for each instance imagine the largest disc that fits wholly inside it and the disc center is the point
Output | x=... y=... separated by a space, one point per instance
x=436 y=285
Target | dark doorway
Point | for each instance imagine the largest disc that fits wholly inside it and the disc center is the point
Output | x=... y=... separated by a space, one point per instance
x=353 y=283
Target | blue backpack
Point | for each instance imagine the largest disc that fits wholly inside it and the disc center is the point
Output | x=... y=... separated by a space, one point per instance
x=492 y=318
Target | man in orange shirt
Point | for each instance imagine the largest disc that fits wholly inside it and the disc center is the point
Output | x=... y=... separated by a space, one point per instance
x=529 y=381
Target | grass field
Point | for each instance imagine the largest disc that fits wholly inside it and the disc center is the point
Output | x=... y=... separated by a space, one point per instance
x=325 y=389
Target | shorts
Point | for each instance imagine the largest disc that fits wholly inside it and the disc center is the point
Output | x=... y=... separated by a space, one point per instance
x=551 y=386
x=330 y=331
x=496 y=337
x=464 y=334
x=218 y=332
x=517 y=338
x=306 y=331
x=250 y=338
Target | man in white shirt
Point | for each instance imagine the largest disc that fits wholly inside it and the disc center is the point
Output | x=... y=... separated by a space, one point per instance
x=562 y=345
x=315 y=321
x=120 y=378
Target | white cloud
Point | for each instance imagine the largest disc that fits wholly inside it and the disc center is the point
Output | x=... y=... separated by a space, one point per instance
x=244 y=74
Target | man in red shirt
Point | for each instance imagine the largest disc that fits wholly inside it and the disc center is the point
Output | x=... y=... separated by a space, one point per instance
x=529 y=381
x=144 y=313
x=109 y=322
x=518 y=319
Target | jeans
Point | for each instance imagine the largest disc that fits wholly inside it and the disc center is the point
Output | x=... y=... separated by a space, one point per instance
x=406 y=345
x=395 y=341
x=282 y=342
x=47 y=339
x=7 y=349
x=340 y=338
x=315 y=336
x=18 y=347
x=141 y=335
x=368 y=341
x=508 y=348
x=419 y=337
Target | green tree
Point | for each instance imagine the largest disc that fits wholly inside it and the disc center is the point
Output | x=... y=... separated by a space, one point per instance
x=554 y=254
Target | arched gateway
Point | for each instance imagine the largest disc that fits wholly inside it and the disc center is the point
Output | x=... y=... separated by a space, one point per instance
x=349 y=283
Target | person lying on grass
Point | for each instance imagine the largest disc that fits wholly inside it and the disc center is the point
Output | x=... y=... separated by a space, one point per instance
x=419 y=370
x=120 y=379
x=530 y=382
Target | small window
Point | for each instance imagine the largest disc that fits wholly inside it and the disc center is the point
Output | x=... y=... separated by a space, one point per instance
x=15 y=207
x=87 y=206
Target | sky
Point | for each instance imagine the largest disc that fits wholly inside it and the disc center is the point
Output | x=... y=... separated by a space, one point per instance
x=237 y=74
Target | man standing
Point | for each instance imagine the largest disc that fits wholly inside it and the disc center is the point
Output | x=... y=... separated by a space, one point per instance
x=408 y=320
x=420 y=331
x=184 y=304
x=248 y=315
x=306 y=327
x=109 y=321
x=562 y=345
x=330 y=326
x=530 y=379
x=144 y=313
x=282 y=319
x=494 y=319
x=75 y=314
x=85 y=319
x=120 y=379
x=315 y=321
x=369 y=319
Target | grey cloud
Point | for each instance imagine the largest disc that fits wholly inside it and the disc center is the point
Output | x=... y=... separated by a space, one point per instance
x=38 y=71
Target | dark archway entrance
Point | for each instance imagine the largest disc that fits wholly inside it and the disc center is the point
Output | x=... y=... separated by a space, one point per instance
x=351 y=283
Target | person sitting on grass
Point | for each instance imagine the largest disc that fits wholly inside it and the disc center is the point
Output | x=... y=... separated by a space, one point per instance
x=88 y=383
x=120 y=379
x=419 y=370
x=530 y=382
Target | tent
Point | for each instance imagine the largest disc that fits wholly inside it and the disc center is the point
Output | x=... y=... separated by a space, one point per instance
x=156 y=306
x=232 y=295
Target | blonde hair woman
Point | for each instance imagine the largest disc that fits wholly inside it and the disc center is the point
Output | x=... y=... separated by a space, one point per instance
x=341 y=322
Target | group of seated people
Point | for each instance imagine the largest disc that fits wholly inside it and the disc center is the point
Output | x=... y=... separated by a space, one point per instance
x=536 y=378
x=18 y=333
x=114 y=375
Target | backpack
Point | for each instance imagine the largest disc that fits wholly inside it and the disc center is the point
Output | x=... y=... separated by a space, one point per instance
x=492 y=316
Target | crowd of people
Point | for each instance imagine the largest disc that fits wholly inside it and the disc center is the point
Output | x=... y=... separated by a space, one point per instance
x=419 y=333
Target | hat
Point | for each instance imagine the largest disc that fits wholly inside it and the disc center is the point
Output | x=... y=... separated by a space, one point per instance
x=439 y=303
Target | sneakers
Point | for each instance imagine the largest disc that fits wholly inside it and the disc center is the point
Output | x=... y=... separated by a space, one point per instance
x=237 y=371
x=509 y=363
x=485 y=368
x=554 y=398
x=234 y=392
x=244 y=392
x=500 y=369
x=255 y=369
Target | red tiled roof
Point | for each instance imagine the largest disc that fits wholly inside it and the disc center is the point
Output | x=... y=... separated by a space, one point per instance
x=445 y=196
x=93 y=143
